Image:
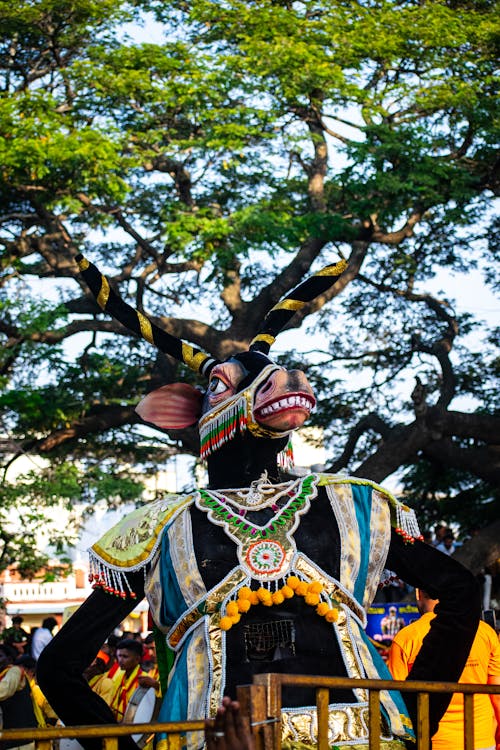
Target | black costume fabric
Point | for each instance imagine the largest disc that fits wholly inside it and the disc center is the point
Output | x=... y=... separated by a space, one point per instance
x=443 y=653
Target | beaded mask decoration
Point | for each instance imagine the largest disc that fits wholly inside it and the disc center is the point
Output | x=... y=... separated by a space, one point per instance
x=235 y=414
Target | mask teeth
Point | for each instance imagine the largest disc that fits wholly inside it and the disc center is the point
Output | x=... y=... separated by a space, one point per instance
x=223 y=427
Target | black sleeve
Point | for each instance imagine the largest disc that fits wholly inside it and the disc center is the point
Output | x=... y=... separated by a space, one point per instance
x=446 y=647
x=62 y=662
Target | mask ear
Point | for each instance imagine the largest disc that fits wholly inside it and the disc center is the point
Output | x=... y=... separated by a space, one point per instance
x=171 y=407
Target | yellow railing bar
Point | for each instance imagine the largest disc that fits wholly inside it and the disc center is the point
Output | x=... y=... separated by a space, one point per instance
x=422 y=728
x=101 y=730
x=468 y=722
x=322 y=701
x=374 y=719
x=412 y=686
x=265 y=695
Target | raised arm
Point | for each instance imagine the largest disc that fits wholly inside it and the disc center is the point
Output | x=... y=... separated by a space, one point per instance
x=62 y=663
x=446 y=647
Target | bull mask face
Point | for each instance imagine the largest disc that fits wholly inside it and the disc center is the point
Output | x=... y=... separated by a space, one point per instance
x=250 y=392
x=246 y=392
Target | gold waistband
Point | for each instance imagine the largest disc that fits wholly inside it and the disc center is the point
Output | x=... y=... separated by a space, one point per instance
x=347 y=723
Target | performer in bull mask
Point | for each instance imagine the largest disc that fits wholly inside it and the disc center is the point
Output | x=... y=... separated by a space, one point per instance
x=262 y=571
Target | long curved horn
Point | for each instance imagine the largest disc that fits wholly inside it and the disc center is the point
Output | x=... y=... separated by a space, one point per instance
x=137 y=322
x=285 y=309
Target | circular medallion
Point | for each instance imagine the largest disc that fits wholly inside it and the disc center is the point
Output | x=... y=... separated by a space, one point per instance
x=265 y=557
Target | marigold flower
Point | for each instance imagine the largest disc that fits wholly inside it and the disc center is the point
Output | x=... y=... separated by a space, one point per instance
x=244 y=605
x=301 y=589
x=245 y=593
x=312 y=599
x=278 y=597
x=293 y=582
x=332 y=615
x=226 y=623
x=315 y=587
x=287 y=592
x=322 y=609
x=263 y=594
x=232 y=609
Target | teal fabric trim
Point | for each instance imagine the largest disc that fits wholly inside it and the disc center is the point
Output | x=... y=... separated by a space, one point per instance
x=173 y=603
x=165 y=658
x=384 y=674
x=362 y=496
x=175 y=702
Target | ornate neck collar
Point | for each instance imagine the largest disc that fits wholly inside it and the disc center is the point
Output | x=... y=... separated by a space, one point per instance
x=264 y=552
x=260 y=494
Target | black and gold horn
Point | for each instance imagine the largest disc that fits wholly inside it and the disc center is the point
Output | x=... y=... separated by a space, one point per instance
x=277 y=318
x=137 y=322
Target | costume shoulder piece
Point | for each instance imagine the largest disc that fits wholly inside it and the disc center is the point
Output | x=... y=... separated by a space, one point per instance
x=403 y=518
x=131 y=544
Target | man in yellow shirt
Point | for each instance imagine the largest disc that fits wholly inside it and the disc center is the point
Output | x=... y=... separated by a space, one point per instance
x=126 y=679
x=482 y=667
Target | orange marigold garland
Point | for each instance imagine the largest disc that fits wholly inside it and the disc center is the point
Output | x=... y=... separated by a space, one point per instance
x=248 y=597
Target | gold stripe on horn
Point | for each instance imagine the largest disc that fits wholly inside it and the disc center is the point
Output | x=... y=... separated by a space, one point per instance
x=333 y=270
x=264 y=337
x=83 y=264
x=103 y=295
x=194 y=361
x=145 y=325
x=289 y=304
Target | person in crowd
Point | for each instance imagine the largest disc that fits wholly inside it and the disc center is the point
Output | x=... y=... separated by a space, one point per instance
x=427 y=536
x=97 y=676
x=16 y=636
x=16 y=703
x=150 y=666
x=440 y=530
x=229 y=730
x=44 y=712
x=391 y=623
x=482 y=667
x=42 y=636
x=110 y=648
x=447 y=545
x=126 y=679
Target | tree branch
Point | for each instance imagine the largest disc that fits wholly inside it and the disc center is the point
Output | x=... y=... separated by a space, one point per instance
x=369 y=422
x=105 y=419
x=483 y=462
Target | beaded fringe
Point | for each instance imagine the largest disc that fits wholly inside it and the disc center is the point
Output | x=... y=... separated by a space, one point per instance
x=285 y=457
x=109 y=579
x=223 y=427
x=407 y=524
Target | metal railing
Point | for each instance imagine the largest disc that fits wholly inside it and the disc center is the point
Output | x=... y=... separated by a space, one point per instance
x=261 y=703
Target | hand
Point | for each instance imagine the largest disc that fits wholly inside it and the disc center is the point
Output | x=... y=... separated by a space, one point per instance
x=229 y=730
x=147 y=682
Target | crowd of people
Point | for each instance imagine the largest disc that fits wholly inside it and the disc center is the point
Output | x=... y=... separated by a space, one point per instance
x=124 y=663
x=128 y=661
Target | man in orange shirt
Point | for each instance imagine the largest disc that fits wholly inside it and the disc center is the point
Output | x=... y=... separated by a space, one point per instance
x=127 y=678
x=482 y=667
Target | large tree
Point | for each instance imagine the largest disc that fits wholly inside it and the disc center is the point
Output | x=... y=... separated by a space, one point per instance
x=207 y=173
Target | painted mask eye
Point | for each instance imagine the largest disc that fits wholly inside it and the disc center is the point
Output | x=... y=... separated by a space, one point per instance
x=216 y=387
